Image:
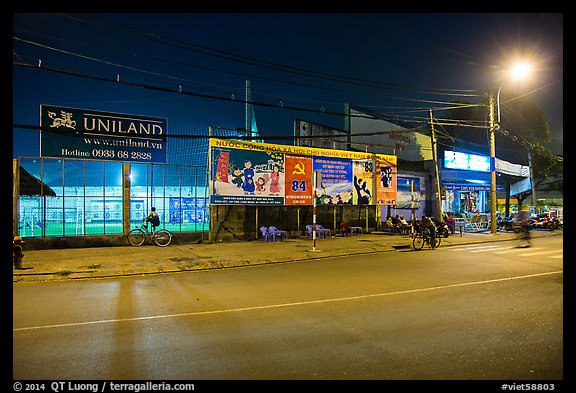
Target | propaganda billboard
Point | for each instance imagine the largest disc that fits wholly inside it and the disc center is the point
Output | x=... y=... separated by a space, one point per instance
x=297 y=180
x=251 y=173
x=94 y=135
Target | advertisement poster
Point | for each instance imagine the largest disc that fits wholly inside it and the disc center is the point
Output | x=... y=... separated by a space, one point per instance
x=94 y=135
x=404 y=196
x=186 y=210
x=253 y=173
x=386 y=191
x=468 y=202
x=336 y=186
x=363 y=182
x=298 y=180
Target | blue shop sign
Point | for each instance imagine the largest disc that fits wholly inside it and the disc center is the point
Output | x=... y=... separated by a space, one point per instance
x=471 y=187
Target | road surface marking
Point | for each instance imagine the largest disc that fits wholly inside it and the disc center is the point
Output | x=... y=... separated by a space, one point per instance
x=273 y=306
x=470 y=247
x=487 y=248
x=515 y=249
x=529 y=254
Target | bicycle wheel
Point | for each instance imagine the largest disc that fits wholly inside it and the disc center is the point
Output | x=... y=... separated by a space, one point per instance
x=436 y=243
x=418 y=242
x=523 y=238
x=136 y=237
x=162 y=237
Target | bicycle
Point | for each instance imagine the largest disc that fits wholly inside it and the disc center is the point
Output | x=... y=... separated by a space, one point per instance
x=422 y=237
x=161 y=237
x=523 y=237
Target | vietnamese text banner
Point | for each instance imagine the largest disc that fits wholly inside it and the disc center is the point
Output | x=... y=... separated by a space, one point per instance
x=266 y=174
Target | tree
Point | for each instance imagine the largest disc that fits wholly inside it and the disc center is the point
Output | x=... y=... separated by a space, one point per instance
x=523 y=129
x=526 y=130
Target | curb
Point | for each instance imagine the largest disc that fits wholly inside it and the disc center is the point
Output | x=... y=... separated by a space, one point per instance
x=230 y=262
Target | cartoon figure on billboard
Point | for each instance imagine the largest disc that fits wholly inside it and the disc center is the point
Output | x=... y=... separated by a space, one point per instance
x=237 y=177
x=248 y=185
x=260 y=183
x=362 y=193
x=275 y=180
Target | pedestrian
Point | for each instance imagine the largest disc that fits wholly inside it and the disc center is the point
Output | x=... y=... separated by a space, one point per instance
x=450 y=222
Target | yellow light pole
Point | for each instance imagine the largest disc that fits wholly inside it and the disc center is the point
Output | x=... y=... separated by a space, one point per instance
x=519 y=71
x=493 y=126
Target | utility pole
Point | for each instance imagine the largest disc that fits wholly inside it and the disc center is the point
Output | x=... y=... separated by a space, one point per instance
x=532 y=183
x=412 y=215
x=436 y=175
x=493 y=223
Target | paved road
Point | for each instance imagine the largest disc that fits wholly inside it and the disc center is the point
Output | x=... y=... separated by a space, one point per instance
x=487 y=311
x=97 y=262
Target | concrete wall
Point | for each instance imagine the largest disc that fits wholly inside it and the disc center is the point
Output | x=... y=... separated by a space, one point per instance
x=54 y=242
x=243 y=222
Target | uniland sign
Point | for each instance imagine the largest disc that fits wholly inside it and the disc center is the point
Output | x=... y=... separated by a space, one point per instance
x=94 y=135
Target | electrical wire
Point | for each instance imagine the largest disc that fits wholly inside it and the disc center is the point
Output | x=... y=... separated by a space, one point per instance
x=181 y=80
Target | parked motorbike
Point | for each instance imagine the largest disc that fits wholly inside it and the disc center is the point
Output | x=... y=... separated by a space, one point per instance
x=442 y=229
x=507 y=224
x=557 y=223
x=542 y=222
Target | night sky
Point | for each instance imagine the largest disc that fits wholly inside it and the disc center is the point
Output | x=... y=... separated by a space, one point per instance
x=300 y=66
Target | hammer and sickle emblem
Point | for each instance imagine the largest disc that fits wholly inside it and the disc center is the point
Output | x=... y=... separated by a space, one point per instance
x=299 y=169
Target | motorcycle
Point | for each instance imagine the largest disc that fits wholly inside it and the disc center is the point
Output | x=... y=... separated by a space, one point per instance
x=442 y=229
x=557 y=223
x=507 y=225
x=542 y=222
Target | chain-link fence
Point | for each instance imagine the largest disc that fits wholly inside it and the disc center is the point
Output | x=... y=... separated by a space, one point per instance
x=70 y=197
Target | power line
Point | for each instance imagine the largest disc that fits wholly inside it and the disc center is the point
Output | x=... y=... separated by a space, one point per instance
x=186 y=45
x=451 y=105
x=118 y=80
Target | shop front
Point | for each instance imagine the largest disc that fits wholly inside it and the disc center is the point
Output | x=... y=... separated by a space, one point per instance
x=465 y=181
x=466 y=199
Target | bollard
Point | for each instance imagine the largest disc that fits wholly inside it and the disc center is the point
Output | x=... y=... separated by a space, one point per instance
x=17 y=253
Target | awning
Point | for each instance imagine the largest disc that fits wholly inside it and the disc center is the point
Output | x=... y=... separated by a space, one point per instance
x=32 y=186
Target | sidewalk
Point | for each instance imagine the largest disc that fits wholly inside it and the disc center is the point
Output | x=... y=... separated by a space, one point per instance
x=100 y=262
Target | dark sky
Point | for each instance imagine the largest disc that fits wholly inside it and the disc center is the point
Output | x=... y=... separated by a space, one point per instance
x=300 y=66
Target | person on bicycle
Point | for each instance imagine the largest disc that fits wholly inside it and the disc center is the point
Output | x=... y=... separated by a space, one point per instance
x=522 y=221
x=427 y=222
x=153 y=218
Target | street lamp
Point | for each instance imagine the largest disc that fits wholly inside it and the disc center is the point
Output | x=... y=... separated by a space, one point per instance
x=519 y=71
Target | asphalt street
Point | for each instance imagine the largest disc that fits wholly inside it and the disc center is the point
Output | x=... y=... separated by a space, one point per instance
x=98 y=262
x=483 y=311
